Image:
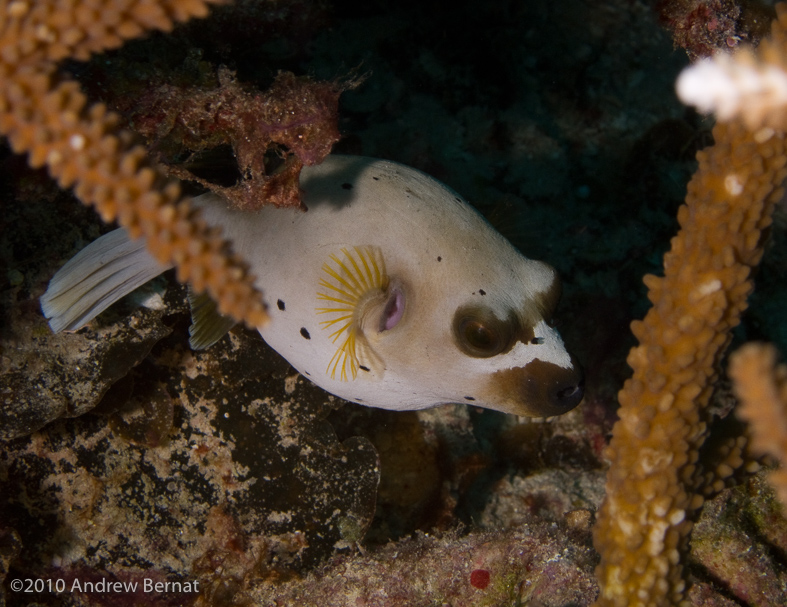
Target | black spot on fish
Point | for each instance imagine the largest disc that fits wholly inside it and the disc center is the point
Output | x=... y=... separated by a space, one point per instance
x=469 y=398
x=305 y=333
x=363 y=368
x=280 y=304
x=347 y=186
x=376 y=178
x=537 y=340
x=482 y=291
x=439 y=258
x=457 y=199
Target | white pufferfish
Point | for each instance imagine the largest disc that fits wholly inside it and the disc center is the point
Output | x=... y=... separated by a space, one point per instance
x=390 y=291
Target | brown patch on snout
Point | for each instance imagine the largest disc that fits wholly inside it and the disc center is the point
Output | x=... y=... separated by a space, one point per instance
x=539 y=389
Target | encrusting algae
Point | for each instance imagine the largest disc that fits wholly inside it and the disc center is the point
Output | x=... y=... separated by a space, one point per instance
x=654 y=485
x=49 y=119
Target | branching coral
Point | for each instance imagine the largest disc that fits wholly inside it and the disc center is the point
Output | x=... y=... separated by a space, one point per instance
x=749 y=84
x=652 y=485
x=761 y=386
x=49 y=118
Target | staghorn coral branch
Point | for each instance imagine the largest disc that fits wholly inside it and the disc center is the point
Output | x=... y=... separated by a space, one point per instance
x=761 y=386
x=653 y=481
x=51 y=121
x=35 y=31
x=748 y=85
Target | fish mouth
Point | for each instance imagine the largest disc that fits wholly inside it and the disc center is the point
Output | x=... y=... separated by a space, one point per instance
x=540 y=389
x=552 y=389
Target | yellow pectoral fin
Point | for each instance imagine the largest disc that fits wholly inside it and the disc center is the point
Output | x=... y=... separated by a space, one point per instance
x=349 y=283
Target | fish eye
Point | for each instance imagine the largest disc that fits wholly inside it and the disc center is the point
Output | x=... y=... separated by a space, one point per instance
x=480 y=333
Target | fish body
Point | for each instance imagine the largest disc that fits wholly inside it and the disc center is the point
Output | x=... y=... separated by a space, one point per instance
x=391 y=291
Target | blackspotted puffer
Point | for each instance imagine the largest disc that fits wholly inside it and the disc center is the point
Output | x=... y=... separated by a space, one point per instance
x=390 y=291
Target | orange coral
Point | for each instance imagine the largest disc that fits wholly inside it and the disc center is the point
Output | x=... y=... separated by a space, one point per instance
x=50 y=120
x=761 y=386
x=644 y=523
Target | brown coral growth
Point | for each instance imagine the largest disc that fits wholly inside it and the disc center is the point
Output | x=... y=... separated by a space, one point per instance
x=653 y=480
x=761 y=386
x=50 y=120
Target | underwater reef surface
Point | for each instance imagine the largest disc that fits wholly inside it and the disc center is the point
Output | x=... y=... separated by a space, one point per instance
x=127 y=457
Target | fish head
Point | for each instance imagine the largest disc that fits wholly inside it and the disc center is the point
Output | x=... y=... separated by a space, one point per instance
x=413 y=335
x=494 y=346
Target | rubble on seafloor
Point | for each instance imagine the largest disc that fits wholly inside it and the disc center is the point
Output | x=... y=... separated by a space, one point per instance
x=209 y=462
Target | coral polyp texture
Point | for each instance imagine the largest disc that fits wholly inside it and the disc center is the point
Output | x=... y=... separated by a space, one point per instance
x=761 y=386
x=49 y=118
x=654 y=480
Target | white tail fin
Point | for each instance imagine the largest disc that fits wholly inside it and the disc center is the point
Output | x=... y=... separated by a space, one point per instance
x=95 y=278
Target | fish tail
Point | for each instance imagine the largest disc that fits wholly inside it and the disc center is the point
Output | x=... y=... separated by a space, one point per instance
x=100 y=274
